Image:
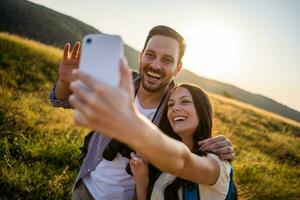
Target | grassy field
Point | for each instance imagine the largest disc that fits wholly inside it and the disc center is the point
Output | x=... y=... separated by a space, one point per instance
x=39 y=144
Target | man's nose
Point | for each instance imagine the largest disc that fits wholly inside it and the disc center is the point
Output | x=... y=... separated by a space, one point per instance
x=156 y=64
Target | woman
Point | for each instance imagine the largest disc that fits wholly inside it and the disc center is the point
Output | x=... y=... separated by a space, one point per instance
x=189 y=119
x=102 y=106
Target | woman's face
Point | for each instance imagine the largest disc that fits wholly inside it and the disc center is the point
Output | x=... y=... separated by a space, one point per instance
x=182 y=114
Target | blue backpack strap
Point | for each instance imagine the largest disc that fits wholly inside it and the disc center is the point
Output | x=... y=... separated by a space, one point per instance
x=231 y=191
x=190 y=191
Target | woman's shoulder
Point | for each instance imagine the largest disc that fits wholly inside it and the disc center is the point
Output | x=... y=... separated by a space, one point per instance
x=220 y=188
x=225 y=166
x=218 y=159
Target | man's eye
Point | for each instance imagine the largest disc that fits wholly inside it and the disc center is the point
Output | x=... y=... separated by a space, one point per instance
x=150 y=55
x=167 y=60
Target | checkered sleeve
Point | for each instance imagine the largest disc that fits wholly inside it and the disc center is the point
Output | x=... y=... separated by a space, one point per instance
x=56 y=102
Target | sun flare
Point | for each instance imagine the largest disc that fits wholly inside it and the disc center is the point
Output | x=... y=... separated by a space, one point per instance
x=212 y=50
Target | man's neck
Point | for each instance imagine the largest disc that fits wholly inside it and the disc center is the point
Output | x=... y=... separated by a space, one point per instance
x=149 y=99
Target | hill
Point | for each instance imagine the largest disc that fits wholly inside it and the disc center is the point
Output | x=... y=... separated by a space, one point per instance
x=234 y=92
x=39 y=144
x=53 y=28
x=42 y=24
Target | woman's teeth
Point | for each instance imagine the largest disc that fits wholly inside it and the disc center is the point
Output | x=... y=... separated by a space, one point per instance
x=176 y=119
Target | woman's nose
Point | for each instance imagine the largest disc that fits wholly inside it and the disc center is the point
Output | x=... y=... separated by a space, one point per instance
x=175 y=107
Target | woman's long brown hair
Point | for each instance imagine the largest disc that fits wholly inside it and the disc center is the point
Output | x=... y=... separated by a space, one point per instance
x=203 y=131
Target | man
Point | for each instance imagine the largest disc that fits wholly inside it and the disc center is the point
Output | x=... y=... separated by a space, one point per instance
x=160 y=61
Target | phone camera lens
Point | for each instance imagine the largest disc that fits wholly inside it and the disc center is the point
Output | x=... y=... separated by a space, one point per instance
x=89 y=40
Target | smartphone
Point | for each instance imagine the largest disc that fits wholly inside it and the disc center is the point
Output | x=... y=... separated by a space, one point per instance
x=100 y=57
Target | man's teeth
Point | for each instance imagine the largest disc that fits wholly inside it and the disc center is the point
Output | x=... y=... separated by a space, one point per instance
x=154 y=75
x=175 y=119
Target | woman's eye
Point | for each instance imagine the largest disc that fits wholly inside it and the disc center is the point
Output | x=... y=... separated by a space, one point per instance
x=185 y=102
x=170 y=105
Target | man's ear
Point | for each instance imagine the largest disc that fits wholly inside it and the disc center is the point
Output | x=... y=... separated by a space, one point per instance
x=140 y=56
x=178 y=69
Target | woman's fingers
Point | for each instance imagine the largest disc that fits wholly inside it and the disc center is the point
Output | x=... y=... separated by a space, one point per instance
x=99 y=103
x=81 y=106
x=110 y=96
x=132 y=162
x=91 y=99
x=80 y=119
x=126 y=78
x=90 y=82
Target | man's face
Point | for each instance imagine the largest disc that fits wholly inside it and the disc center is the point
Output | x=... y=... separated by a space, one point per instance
x=158 y=63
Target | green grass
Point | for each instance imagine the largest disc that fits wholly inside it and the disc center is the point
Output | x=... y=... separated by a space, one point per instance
x=267 y=148
x=39 y=144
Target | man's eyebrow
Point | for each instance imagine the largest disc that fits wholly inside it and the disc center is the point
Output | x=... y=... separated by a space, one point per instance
x=149 y=50
x=169 y=56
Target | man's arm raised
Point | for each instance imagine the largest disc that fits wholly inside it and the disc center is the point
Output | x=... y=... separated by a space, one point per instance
x=69 y=62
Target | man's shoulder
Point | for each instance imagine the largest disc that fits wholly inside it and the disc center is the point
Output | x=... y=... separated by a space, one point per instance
x=134 y=73
x=135 y=76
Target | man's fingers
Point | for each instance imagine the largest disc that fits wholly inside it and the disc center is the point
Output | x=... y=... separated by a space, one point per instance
x=224 y=150
x=202 y=142
x=66 y=51
x=207 y=142
x=215 y=146
x=79 y=54
x=228 y=156
x=75 y=50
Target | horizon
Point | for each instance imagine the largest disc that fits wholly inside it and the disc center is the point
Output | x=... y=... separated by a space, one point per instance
x=253 y=45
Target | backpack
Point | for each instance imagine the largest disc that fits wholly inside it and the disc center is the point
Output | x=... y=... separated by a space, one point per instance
x=191 y=190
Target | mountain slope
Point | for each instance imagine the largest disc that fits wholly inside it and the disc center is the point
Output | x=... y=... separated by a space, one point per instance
x=39 y=144
x=50 y=27
x=47 y=26
x=234 y=92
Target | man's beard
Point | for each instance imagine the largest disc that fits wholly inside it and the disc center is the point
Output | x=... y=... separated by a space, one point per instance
x=159 y=87
x=154 y=89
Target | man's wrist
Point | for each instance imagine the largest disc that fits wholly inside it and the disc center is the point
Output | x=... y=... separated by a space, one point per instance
x=62 y=90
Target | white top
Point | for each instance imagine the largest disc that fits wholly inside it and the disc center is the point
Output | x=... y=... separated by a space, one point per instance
x=147 y=112
x=218 y=191
x=110 y=181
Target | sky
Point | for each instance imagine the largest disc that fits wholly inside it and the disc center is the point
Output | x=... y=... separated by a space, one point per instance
x=252 y=44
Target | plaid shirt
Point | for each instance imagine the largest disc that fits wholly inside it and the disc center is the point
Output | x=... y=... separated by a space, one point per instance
x=99 y=142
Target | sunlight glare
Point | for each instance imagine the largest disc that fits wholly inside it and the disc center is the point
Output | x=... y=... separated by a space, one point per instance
x=212 y=50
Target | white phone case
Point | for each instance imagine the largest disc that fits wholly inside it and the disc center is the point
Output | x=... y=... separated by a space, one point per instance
x=100 y=57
